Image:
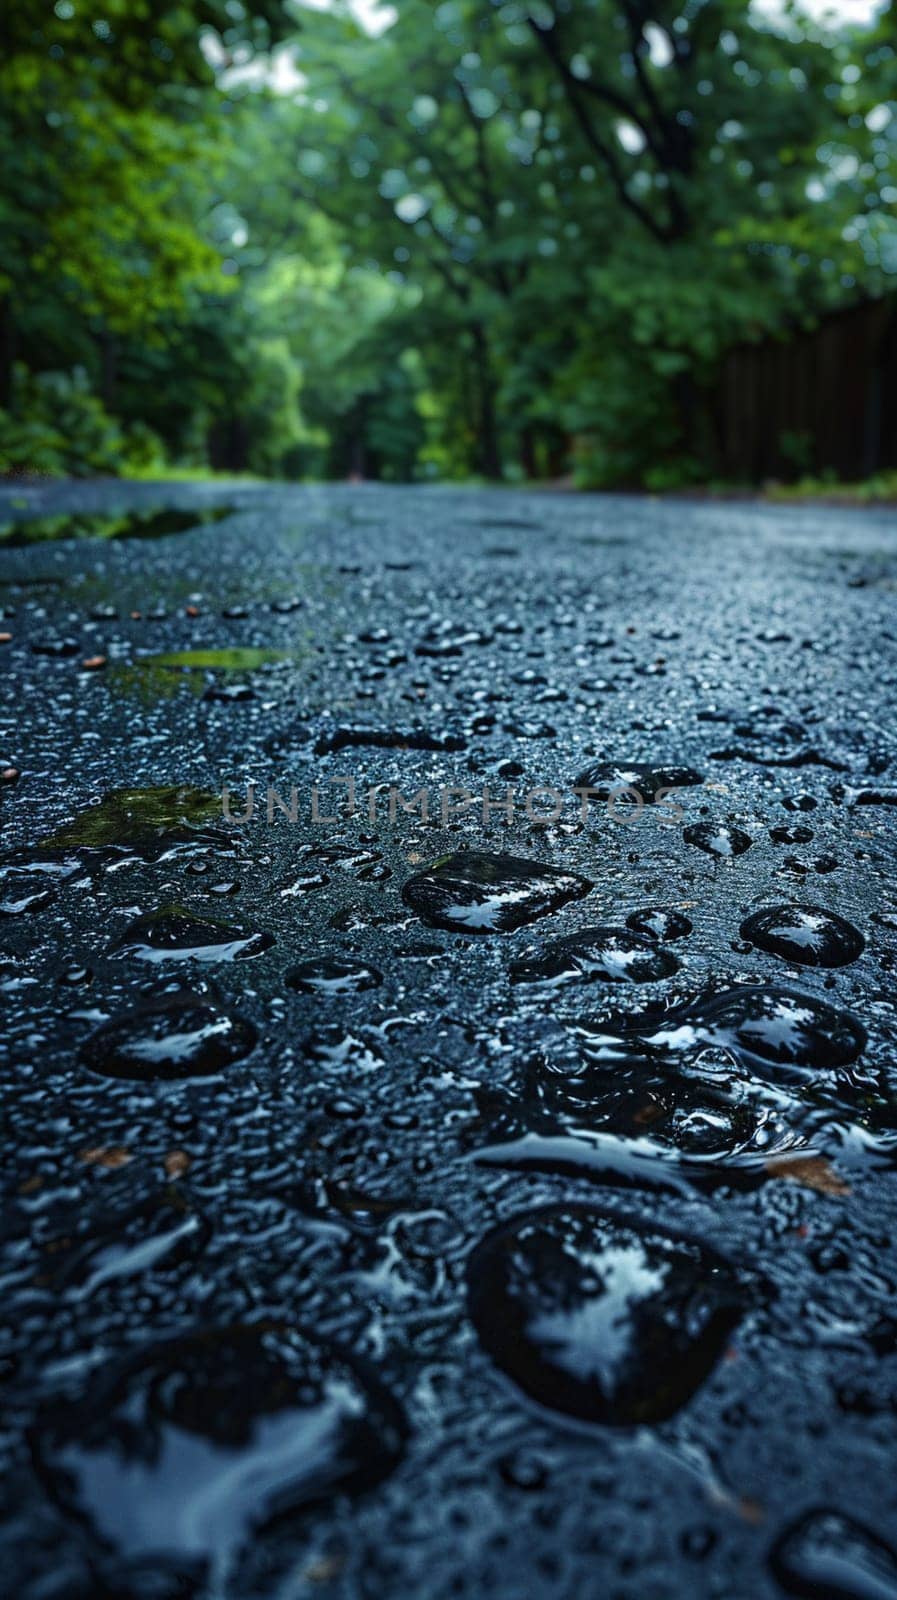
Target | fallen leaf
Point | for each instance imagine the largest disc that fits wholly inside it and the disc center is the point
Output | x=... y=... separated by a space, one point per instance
x=813 y=1172
x=177 y=1162
x=110 y=1156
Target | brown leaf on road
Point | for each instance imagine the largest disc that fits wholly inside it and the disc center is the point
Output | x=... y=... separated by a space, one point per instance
x=813 y=1172
x=110 y=1156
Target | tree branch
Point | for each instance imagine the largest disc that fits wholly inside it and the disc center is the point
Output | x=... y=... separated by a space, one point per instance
x=548 y=41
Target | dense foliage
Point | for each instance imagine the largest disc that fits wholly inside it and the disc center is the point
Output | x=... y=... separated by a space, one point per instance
x=496 y=237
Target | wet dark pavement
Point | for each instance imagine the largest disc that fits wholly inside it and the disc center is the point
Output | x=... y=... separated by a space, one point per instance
x=460 y=1206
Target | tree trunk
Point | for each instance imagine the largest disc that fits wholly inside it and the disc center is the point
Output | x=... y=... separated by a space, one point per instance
x=7 y=354
x=358 y=453
x=489 y=451
x=108 y=368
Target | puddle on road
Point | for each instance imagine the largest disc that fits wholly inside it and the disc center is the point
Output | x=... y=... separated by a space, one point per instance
x=138 y=818
x=158 y=677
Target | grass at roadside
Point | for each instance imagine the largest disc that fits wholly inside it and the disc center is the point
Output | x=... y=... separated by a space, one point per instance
x=878 y=490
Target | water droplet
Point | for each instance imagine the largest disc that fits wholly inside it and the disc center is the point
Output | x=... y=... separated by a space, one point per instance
x=603 y=1319
x=608 y=778
x=160 y=1232
x=828 y=1555
x=413 y=738
x=800 y=802
x=804 y=934
x=76 y=974
x=229 y=693
x=478 y=892
x=182 y=1035
x=604 y=954
x=22 y=893
x=718 y=839
x=801 y=865
x=448 y=639
x=659 y=923
x=333 y=975
x=334 y=1047
x=175 y=934
x=774 y=747
x=874 y=797
x=764 y=1023
x=304 y=884
x=524 y=1469
x=792 y=835
x=192 y=1448
x=55 y=647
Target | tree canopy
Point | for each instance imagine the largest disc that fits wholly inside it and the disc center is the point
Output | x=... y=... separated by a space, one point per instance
x=497 y=237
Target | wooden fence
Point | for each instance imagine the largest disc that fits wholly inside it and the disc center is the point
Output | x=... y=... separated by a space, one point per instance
x=823 y=400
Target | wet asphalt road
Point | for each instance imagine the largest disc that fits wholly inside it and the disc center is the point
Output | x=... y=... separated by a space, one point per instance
x=201 y=1137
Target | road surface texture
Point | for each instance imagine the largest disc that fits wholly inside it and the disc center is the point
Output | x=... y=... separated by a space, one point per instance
x=447 y=1205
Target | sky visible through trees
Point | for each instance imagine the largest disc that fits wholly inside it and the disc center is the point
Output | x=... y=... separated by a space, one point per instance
x=507 y=239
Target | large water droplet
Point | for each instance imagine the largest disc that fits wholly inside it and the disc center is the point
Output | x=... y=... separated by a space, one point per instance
x=659 y=923
x=192 y=1448
x=759 y=1022
x=780 y=1025
x=478 y=892
x=806 y=935
x=603 y=1319
x=794 y=834
x=175 y=934
x=718 y=839
x=606 y=955
x=182 y=1035
x=333 y=975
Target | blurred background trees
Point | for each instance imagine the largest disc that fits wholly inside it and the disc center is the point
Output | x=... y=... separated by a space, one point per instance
x=510 y=240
